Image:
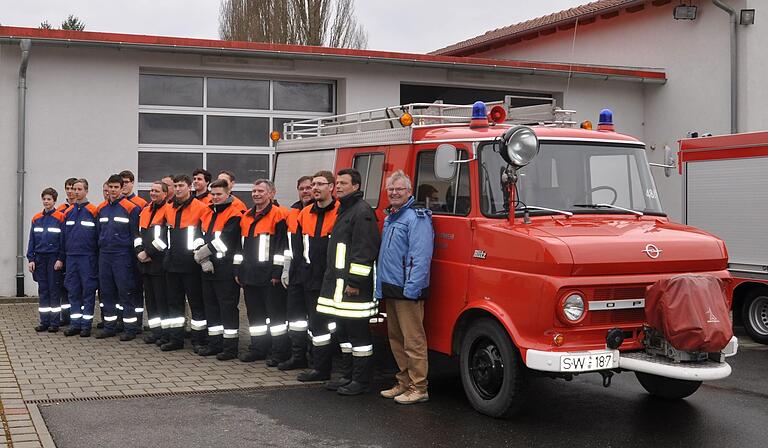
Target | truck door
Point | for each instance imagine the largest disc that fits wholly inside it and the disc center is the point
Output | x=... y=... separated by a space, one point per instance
x=450 y=205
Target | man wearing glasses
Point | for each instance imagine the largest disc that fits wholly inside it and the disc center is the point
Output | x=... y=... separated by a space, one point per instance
x=310 y=245
x=403 y=280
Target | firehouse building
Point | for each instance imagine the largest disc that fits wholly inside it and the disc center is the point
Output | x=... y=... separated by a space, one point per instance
x=88 y=104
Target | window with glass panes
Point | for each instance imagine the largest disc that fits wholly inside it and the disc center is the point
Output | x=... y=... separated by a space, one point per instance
x=219 y=123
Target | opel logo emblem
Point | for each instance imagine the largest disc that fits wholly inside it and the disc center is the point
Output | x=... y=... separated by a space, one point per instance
x=652 y=251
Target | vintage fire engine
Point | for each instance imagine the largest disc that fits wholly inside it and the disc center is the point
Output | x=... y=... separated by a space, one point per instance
x=726 y=193
x=547 y=237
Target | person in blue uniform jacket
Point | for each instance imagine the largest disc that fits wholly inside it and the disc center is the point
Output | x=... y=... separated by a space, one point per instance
x=44 y=253
x=117 y=218
x=81 y=260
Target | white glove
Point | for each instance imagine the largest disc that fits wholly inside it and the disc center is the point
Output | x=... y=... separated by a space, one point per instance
x=202 y=254
x=284 y=275
x=207 y=266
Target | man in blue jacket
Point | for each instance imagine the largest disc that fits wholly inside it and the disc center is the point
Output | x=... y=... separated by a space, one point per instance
x=403 y=280
x=80 y=253
x=118 y=217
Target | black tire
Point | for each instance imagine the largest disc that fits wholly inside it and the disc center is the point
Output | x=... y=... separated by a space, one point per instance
x=492 y=372
x=667 y=388
x=754 y=315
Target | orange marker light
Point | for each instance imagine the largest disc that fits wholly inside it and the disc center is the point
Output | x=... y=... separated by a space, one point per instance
x=586 y=124
x=558 y=339
x=274 y=136
x=406 y=119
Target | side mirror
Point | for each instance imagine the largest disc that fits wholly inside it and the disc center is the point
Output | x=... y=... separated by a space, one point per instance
x=669 y=161
x=445 y=158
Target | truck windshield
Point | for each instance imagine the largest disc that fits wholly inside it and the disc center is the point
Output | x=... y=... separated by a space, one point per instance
x=579 y=177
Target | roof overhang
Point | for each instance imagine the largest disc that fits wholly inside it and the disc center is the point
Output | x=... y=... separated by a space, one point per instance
x=12 y=35
x=545 y=25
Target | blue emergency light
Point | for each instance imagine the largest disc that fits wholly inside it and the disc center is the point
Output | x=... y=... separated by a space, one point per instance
x=606 y=117
x=478 y=110
x=605 y=123
x=479 y=116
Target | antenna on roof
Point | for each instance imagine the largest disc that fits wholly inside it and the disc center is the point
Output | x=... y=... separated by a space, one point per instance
x=573 y=51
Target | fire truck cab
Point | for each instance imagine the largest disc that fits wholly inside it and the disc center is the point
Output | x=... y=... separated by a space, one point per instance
x=546 y=238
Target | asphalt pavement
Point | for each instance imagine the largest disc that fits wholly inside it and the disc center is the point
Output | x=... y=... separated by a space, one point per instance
x=732 y=412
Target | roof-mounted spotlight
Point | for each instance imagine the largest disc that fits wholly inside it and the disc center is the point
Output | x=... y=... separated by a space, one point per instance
x=684 y=12
x=747 y=17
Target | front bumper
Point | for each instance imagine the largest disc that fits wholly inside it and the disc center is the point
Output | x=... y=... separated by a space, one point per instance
x=546 y=361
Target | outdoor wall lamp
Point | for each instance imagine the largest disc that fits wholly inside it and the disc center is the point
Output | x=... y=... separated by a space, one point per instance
x=684 y=12
x=747 y=17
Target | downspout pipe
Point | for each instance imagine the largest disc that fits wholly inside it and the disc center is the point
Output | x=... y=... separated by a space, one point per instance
x=26 y=46
x=734 y=64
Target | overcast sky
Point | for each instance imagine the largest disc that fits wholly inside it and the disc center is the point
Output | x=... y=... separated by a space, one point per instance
x=396 y=25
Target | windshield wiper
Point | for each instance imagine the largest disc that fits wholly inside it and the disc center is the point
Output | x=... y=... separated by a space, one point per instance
x=634 y=212
x=525 y=208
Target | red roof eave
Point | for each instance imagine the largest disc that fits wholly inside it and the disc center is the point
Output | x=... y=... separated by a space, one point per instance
x=74 y=37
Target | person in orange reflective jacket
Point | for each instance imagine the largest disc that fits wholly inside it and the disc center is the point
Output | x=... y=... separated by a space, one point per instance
x=201 y=178
x=315 y=223
x=221 y=294
x=258 y=269
x=150 y=242
x=182 y=273
x=296 y=309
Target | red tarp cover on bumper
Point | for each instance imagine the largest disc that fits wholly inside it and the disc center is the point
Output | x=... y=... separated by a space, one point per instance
x=691 y=311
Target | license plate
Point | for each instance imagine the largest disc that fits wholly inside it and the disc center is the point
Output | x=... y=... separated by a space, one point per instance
x=582 y=363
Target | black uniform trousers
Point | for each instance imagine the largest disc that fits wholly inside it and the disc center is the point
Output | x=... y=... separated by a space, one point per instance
x=221 y=298
x=181 y=284
x=354 y=336
x=320 y=325
x=156 y=301
x=298 y=320
x=266 y=308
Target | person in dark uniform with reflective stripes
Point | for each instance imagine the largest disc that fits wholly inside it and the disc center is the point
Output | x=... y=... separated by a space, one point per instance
x=182 y=273
x=313 y=230
x=296 y=309
x=44 y=254
x=117 y=220
x=81 y=240
x=221 y=294
x=70 y=193
x=150 y=243
x=258 y=269
x=347 y=291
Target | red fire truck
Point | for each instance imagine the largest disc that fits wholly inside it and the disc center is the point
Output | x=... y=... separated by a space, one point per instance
x=726 y=193
x=546 y=238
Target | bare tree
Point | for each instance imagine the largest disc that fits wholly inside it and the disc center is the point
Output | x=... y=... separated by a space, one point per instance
x=44 y=25
x=72 y=23
x=303 y=22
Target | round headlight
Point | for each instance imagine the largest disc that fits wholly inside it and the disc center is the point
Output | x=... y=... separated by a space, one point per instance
x=520 y=146
x=573 y=307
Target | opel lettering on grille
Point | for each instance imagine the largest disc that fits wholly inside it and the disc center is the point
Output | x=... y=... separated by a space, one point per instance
x=652 y=251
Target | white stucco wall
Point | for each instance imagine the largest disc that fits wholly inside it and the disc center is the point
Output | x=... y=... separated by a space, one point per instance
x=695 y=56
x=82 y=111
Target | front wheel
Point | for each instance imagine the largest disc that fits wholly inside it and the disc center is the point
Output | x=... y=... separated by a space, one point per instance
x=492 y=372
x=754 y=315
x=667 y=388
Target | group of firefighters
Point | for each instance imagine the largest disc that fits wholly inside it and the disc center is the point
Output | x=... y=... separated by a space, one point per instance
x=307 y=272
